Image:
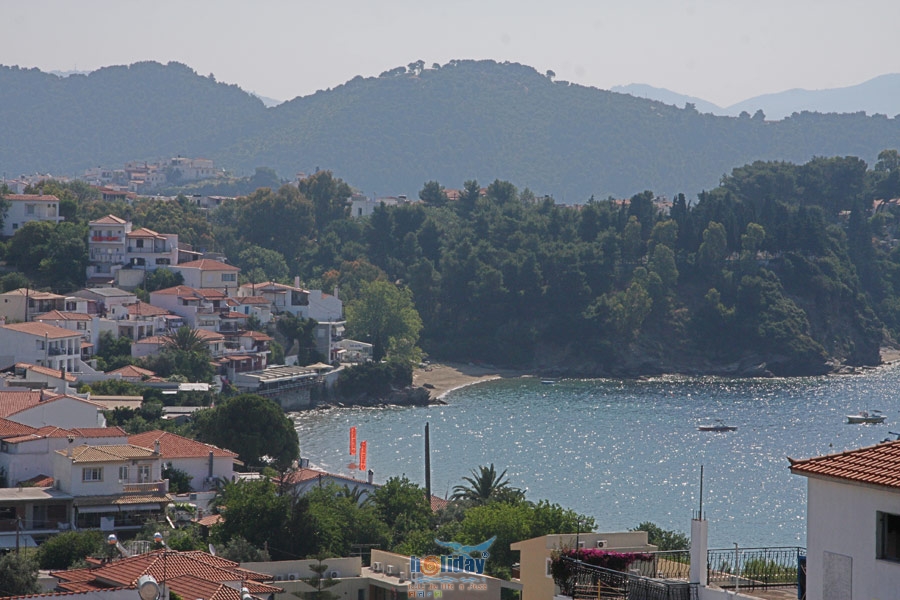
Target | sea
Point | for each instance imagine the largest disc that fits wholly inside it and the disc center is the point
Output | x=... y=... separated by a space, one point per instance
x=626 y=451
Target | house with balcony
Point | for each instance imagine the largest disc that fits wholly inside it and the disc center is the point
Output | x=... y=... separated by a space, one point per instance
x=205 y=464
x=306 y=304
x=114 y=487
x=24 y=303
x=256 y=306
x=24 y=208
x=140 y=319
x=209 y=274
x=41 y=344
x=45 y=378
x=200 y=308
x=32 y=513
x=120 y=256
x=29 y=455
x=853 y=522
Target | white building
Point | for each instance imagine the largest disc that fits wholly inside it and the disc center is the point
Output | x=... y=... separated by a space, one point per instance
x=115 y=487
x=41 y=344
x=853 y=523
x=120 y=255
x=24 y=303
x=29 y=207
x=205 y=464
x=41 y=408
x=209 y=274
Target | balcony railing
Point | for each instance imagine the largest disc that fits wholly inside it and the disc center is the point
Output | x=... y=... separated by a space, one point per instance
x=151 y=250
x=106 y=238
x=153 y=487
x=587 y=581
x=752 y=568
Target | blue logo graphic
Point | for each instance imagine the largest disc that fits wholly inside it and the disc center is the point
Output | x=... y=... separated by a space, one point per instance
x=459 y=561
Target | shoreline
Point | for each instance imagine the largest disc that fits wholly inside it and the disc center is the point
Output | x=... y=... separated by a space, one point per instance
x=442 y=378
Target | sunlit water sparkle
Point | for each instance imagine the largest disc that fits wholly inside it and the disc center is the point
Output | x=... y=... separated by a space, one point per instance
x=626 y=452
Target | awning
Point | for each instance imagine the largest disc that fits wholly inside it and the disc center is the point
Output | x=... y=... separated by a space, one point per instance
x=8 y=540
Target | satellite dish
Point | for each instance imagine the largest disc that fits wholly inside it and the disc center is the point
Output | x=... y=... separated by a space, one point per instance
x=212 y=549
x=148 y=589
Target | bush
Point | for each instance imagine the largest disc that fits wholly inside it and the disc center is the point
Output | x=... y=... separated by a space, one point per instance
x=64 y=550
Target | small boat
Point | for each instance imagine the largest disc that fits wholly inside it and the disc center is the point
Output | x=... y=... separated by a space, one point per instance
x=548 y=381
x=717 y=426
x=865 y=416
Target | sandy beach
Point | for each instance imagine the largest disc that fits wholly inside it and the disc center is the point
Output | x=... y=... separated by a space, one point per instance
x=445 y=377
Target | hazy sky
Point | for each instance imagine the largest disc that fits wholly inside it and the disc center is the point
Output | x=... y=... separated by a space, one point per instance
x=723 y=51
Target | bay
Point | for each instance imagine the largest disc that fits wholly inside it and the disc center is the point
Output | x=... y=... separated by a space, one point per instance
x=628 y=451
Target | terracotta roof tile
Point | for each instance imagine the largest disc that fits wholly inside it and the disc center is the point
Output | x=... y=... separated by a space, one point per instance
x=12 y=429
x=143 y=232
x=132 y=371
x=31 y=198
x=875 y=465
x=207 y=264
x=58 y=315
x=46 y=371
x=37 y=295
x=255 y=335
x=99 y=432
x=42 y=330
x=175 y=446
x=109 y=220
x=143 y=309
x=16 y=401
x=113 y=453
x=37 y=481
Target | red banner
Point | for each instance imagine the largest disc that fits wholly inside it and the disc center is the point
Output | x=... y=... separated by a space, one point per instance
x=362 y=456
x=353 y=441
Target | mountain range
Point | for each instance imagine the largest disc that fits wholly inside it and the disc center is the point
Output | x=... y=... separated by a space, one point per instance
x=880 y=95
x=389 y=134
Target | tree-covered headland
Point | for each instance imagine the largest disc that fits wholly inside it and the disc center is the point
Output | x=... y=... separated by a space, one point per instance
x=783 y=268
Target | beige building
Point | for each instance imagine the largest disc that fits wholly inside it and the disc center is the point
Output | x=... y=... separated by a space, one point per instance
x=535 y=556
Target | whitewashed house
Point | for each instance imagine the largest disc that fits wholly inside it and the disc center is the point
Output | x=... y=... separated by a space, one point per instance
x=24 y=303
x=209 y=274
x=42 y=408
x=205 y=464
x=115 y=487
x=24 y=208
x=41 y=344
x=853 y=523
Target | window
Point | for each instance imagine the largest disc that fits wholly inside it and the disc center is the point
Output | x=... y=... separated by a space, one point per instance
x=82 y=326
x=547 y=570
x=92 y=474
x=29 y=209
x=163 y=261
x=143 y=473
x=123 y=473
x=139 y=244
x=229 y=276
x=888 y=536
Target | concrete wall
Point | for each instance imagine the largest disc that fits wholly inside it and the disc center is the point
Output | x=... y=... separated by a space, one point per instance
x=841 y=541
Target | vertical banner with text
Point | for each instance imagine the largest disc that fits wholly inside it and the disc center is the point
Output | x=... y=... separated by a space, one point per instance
x=362 y=456
x=353 y=441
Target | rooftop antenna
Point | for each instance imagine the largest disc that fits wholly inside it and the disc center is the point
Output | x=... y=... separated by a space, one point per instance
x=427 y=463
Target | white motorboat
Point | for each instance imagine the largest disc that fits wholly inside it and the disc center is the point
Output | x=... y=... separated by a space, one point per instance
x=866 y=416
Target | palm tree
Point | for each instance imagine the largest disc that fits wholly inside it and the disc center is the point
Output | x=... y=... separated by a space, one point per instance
x=186 y=339
x=484 y=485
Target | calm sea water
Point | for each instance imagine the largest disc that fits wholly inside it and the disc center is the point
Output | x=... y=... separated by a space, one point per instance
x=626 y=452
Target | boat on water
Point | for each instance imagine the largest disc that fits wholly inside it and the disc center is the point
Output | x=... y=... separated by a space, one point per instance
x=548 y=381
x=717 y=426
x=866 y=416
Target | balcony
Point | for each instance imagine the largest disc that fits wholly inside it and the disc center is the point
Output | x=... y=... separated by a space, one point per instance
x=156 y=250
x=106 y=238
x=154 y=487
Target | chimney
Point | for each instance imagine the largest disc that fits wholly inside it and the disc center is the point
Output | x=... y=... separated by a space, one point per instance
x=210 y=474
x=296 y=281
x=156 y=448
x=371 y=476
x=336 y=293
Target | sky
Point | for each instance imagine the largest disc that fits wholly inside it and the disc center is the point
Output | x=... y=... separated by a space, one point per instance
x=722 y=51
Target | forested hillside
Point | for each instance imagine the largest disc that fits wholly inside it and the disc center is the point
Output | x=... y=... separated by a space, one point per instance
x=387 y=134
x=785 y=269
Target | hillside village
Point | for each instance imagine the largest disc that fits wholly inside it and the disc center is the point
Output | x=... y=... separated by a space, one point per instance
x=62 y=469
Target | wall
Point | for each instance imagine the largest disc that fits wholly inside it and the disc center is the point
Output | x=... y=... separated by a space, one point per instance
x=841 y=522
x=66 y=412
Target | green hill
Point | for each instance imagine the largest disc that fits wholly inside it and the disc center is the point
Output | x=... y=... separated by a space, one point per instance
x=389 y=134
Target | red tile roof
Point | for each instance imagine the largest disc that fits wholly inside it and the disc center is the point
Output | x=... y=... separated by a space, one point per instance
x=99 y=432
x=163 y=565
x=132 y=371
x=113 y=453
x=109 y=220
x=58 y=315
x=176 y=446
x=46 y=371
x=12 y=429
x=252 y=300
x=31 y=197
x=37 y=295
x=207 y=264
x=41 y=330
x=142 y=309
x=177 y=290
x=37 y=481
x=14 y=402
x=143 y=232
x=876 y=465
x=255 y=335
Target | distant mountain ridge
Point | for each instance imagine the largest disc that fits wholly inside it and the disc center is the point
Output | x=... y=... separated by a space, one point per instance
x=880 y=95
x=389 y=134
